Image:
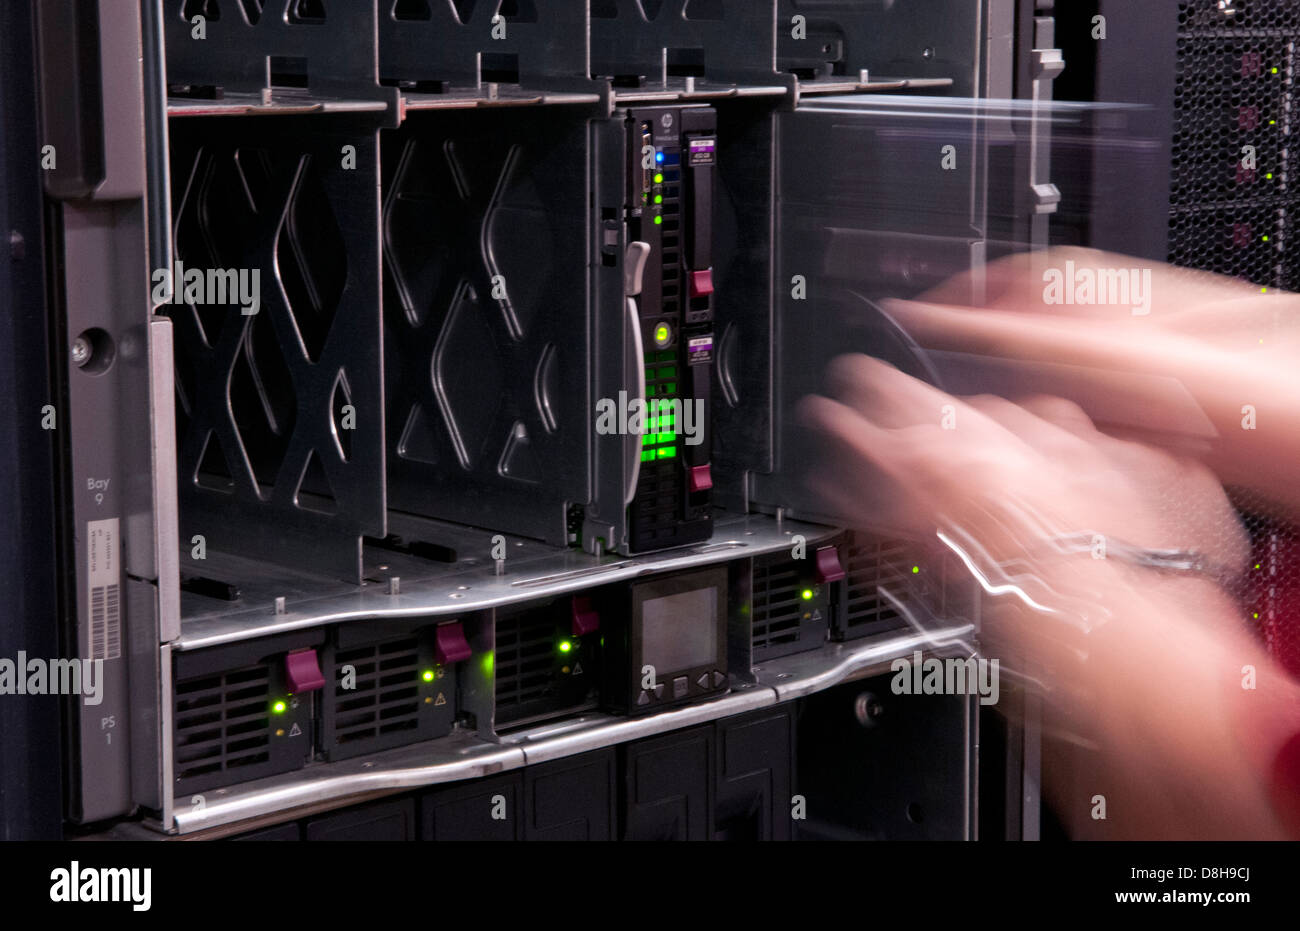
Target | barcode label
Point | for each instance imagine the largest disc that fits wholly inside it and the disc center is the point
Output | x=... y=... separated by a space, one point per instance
x=105 y=623
x=104 y=578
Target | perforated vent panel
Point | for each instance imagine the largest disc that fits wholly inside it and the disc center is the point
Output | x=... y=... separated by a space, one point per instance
x=386 y=693
x=789 y=612
x=525 y=647
x=777 y=605
x=870 y=565
x=386 y=696
x=1234 y=211
x=222 y=728
x=1232 y=208
x=534 y=680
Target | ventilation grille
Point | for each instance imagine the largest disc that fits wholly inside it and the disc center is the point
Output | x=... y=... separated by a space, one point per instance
x=1232 y=209
x=525 y=658
x=777 y=606
x=1236 y=70
x=386 y=699
x=873 y=564
x=222 y=723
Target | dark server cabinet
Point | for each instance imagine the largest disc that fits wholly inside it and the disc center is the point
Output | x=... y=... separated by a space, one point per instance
x=1201 y=177
x=572 y=799
x=754 y=799
x=386 y=821
x=389 y=464
x=873 y=765
x=30 y=783
x=483 y=809
x=668 y=786
x=281 y=832
x=732 y=780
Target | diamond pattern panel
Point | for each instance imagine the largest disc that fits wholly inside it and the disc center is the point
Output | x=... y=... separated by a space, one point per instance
x=279 y=411
x=488 y=327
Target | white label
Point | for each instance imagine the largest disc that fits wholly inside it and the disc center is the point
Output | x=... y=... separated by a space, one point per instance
x=104 y=578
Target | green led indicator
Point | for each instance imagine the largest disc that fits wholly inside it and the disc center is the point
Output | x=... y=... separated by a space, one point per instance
x=1269 y=176
x=428 y=675
x=662 y=333
x=659 y=178
x=668 y=452
x=648 y=455
x=1265 y=239
x=1275 y=71
x=488 y=663
x=659 y=198
x=915 y=570
x=279 y=707
x=658 y=221
x=807 y=594
x=565 y=646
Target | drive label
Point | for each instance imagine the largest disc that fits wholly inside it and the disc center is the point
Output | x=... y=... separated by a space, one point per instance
x=699 y=350
x=104 y=579
x=702 y=151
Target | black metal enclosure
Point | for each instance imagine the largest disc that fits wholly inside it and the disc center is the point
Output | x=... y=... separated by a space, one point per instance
x=425 y=373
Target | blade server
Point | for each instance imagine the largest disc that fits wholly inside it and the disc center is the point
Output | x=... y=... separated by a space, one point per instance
x=363 y=529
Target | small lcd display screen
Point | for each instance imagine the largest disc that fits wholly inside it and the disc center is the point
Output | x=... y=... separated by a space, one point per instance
x=680 y=632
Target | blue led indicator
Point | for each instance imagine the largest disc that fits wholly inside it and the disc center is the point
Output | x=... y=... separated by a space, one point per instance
x=659 y=157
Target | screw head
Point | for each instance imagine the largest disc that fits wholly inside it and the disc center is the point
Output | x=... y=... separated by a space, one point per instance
x=867 y=709
x=80 y=351
x=928 y=53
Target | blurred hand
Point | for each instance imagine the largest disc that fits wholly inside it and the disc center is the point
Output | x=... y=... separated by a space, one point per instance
x=1152 y=682
x=1228 y=346
x=1008 y=473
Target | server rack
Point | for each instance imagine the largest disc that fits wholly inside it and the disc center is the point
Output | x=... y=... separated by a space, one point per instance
x=393 y=452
